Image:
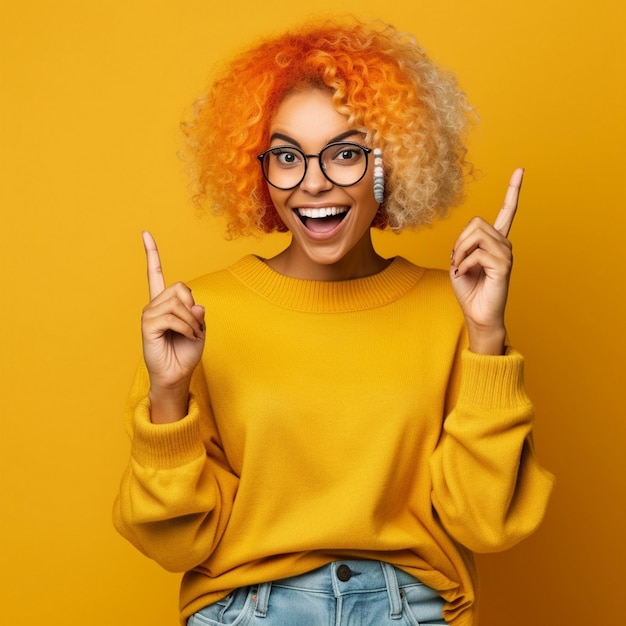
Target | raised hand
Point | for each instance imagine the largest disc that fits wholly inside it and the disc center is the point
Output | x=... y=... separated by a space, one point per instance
x=173 y=333
x=480 y=271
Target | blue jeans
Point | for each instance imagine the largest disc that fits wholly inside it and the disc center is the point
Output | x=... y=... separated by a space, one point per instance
x=345 y=593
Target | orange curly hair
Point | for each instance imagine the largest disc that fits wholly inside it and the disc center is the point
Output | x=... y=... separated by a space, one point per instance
x=379 y=78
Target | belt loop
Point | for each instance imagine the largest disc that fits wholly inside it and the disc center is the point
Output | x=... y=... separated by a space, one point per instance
x=262 y=599
x=393 y=591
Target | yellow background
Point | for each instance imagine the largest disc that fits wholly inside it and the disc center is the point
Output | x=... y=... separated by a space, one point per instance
x=91 y=96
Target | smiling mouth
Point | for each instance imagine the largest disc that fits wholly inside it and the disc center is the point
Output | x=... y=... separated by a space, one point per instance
x=322 y=220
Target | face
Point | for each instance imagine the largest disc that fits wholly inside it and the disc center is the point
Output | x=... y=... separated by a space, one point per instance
x=330 y=224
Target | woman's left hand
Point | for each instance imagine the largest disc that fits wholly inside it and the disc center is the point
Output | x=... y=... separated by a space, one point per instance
x=480 y=271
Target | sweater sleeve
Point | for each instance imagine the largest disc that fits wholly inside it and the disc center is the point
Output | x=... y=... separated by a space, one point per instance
x=489 y=489
x=177 y=491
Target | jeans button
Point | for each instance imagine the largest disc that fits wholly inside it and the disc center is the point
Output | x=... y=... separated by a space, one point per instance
x=344 y=573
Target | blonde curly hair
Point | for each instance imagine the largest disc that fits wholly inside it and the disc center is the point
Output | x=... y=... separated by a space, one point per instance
x=379 y=78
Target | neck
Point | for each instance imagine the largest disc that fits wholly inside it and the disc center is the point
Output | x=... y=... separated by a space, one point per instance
x=360 y=262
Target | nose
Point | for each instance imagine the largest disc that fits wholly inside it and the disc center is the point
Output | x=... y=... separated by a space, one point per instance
x=314 y=181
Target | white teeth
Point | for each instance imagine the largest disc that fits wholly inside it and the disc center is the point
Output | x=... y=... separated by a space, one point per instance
x=323 y=212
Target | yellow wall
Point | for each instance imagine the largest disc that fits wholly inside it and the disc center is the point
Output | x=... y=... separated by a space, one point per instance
x=91 y=94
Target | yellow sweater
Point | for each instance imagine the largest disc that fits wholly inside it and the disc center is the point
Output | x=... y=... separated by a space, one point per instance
x=330 y=420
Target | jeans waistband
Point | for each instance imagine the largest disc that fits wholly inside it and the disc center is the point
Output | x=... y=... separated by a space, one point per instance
x=342 y=578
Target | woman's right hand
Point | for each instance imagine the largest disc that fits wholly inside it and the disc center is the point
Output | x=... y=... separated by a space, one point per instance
x=173 y=333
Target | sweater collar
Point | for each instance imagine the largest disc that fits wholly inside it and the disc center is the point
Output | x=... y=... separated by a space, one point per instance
x=328 y=297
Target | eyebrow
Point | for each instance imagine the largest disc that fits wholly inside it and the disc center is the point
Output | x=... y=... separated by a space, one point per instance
x=296 y=143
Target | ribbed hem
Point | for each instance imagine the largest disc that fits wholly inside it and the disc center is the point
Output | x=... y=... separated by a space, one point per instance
x=328 y=296
x=493 y=381
x=164 y=446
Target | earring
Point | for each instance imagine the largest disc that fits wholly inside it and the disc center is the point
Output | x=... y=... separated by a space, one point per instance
x=379 y=178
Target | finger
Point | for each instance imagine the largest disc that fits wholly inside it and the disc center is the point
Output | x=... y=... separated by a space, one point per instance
x=477 y=234
x=493 y=263
x=168 y=323
x=175 y=308
x=156 y=281
x=507 y=212
x=178 y=291
x=480 y=235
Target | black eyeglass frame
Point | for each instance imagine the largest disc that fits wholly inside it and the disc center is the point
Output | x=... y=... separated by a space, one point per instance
x=318 y=156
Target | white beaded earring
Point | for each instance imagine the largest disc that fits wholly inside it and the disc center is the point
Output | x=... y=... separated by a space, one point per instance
x=379 y=177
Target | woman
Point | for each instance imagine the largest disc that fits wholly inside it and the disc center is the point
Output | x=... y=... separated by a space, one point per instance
x=325 y=436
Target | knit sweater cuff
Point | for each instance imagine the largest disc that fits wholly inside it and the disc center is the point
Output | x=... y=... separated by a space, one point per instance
x=492 y=381
x=165 y=446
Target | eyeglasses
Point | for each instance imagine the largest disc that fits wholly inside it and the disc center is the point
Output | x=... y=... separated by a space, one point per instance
x=342 y=163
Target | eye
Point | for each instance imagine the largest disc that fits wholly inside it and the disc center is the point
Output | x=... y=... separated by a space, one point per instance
x=286 y=157
x=347 y=154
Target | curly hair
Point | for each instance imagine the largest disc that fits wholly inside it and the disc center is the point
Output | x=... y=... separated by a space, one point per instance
x=379 y=78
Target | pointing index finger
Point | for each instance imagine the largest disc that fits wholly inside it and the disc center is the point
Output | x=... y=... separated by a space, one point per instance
x=507 y=212
x=156 y=281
